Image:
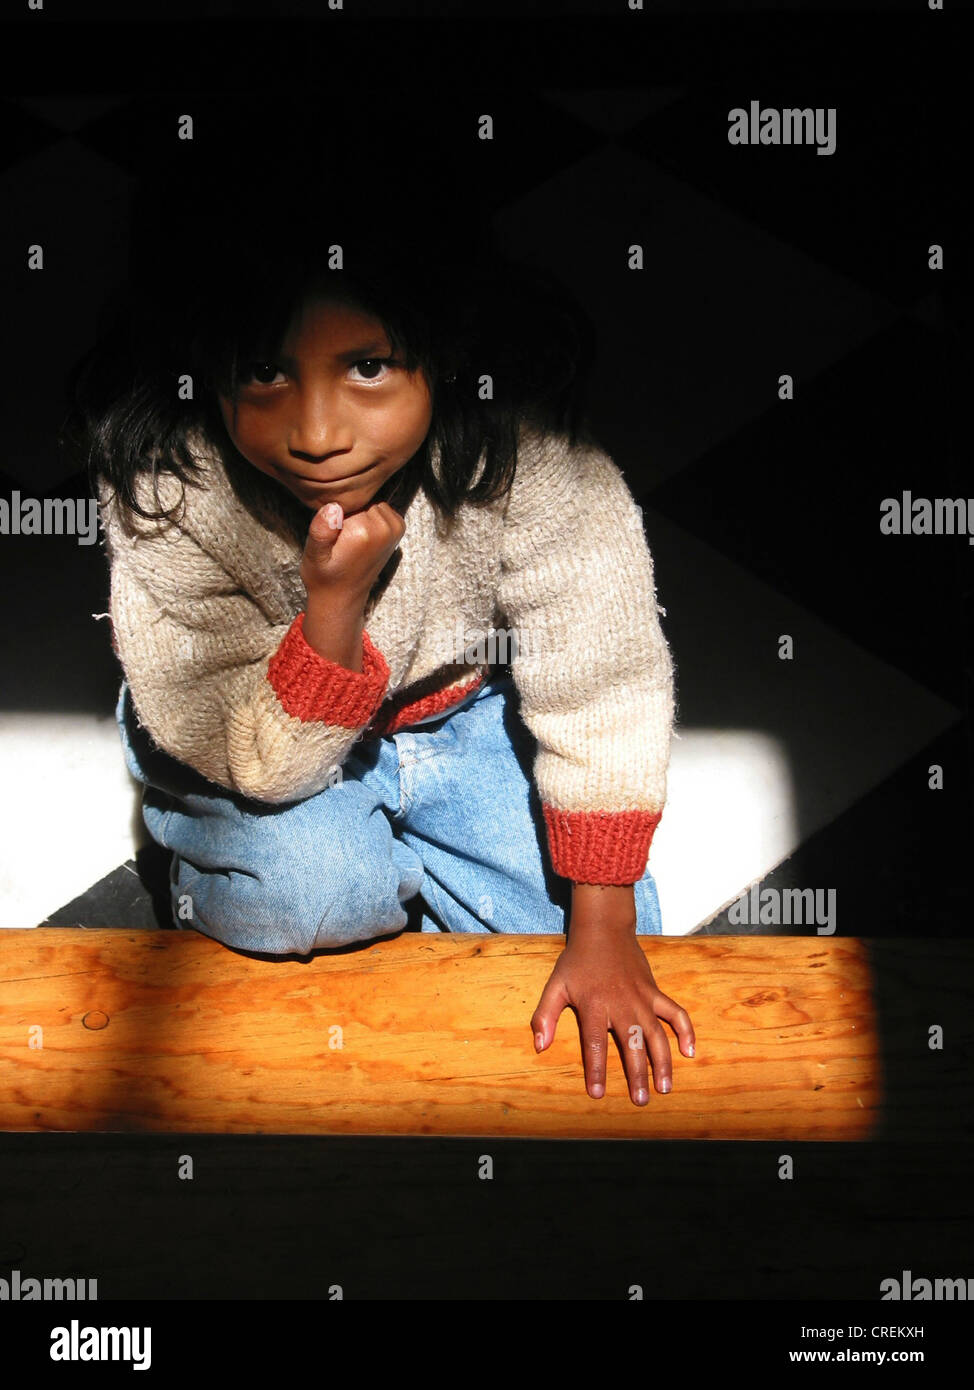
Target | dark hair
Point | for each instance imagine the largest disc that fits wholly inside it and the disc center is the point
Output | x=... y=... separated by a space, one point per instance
x=222 y=259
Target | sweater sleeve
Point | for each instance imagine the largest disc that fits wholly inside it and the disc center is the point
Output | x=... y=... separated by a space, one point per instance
x=591 y=665
x=245 y=701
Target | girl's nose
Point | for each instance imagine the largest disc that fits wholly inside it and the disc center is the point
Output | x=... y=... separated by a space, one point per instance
x=316 y=428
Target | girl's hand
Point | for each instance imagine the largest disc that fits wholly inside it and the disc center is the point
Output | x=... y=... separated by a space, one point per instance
x=343 y=556
x=604 y=976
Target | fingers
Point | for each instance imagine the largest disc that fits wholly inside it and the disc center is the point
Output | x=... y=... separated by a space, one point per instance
x=386 y=527
x=659 y=1051
x=326 y=523
x=635 y=1060
x=655 y=1048
x=679 y=1021
x=593 y=1028
x=545 y=1018
x=643 y=1044
x=396 y=521
x=390 y=513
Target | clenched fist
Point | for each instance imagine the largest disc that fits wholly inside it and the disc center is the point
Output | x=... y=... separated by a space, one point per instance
x=343 y=556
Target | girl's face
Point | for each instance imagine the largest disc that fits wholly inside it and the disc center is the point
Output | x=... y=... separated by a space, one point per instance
x=332 y=417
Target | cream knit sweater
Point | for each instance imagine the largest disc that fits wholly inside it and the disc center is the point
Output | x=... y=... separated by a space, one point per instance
x=207 y=623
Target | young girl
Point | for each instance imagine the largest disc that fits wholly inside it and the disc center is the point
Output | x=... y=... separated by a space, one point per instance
x=386 y=617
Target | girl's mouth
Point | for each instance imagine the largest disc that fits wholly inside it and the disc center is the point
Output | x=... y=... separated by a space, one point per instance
x=334 y=482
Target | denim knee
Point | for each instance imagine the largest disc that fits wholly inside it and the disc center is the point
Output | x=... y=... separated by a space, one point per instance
x=345 y=895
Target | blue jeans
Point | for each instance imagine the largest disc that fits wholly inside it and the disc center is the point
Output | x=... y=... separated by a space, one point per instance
x=447 y=810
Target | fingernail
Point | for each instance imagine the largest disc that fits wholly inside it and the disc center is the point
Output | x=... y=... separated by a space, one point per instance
x=334 y=516
x=666 y=1085
x=691 y=1051
x=597 y=1091
x=642 y=1096
x=538 y=1041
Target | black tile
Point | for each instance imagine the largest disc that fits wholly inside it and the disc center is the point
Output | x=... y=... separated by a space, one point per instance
x=795 y=498
x=792 y=192
x=135 y=895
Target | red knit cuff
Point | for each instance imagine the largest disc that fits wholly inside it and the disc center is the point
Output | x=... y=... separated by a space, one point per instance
x=310 y=687
x=610 y=847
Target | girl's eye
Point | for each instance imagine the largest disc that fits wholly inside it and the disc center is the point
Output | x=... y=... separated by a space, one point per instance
x=375 y=362
x=256 y=371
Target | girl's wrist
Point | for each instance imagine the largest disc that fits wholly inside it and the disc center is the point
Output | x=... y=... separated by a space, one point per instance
x=334 y=631
x=603 y=894
x=603 y=907
x=335 y=601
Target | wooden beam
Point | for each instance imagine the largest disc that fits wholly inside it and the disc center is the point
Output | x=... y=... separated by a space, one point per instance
x=169 y=1031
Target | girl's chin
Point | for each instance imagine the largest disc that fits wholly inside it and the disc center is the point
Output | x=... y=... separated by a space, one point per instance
x=349 y=504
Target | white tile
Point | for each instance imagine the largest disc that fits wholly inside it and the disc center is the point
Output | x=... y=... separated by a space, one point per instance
x=75 y=815
x=730 y=816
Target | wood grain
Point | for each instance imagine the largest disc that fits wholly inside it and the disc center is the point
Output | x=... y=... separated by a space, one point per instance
x=171 y=1032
